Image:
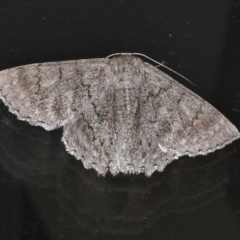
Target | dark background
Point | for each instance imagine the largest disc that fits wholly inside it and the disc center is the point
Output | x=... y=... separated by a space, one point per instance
x=46 y=194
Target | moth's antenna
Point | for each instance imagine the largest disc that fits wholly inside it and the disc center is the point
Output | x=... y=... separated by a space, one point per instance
x=117 y=54
x=159 y=64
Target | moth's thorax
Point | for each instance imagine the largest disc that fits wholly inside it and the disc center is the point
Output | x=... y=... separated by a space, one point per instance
x=126 y=71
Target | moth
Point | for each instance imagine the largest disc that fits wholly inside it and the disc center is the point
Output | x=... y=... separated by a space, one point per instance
x=119 y=114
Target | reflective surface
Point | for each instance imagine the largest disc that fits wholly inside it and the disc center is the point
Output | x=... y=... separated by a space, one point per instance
x=47 y=194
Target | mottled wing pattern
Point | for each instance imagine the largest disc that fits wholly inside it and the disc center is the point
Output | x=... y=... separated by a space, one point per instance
x=179 y=122
x=48 y=94
x=89 y=134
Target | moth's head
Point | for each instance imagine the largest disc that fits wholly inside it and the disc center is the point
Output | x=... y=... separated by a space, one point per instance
x=126 y=67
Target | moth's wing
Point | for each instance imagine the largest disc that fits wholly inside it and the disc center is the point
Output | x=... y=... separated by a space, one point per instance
x=48 y=94
x=88 y=135
x=182 y=123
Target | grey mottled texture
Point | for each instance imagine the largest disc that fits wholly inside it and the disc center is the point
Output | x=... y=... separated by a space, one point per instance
x=119 y=114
